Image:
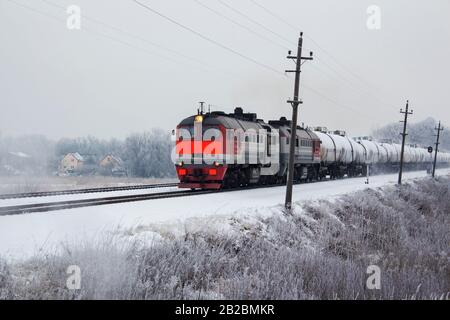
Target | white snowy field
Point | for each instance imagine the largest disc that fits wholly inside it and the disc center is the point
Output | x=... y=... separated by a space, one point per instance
x=26 y=235
x=80 y=196
x=18 y=184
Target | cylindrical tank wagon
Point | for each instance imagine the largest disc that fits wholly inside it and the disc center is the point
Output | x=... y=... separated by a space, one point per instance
x=340 y=155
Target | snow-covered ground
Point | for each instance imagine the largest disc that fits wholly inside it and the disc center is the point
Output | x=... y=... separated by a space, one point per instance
x=18 y=184
x=25 y=235
x=80 y=196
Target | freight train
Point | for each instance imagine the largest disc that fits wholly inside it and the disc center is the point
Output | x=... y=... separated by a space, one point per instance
x=217 y=150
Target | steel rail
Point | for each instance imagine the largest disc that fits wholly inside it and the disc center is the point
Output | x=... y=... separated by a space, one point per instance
x=71 y=204
x=88 y=190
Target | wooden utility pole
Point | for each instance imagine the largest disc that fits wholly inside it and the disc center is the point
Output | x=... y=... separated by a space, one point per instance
x=404 y=134
x=295 y=103
x=439 y=129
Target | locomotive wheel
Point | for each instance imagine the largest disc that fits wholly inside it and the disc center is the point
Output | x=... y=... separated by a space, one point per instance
x=231 y=180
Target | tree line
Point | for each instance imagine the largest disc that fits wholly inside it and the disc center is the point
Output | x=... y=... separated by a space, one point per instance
x=145 y=154
x=420 y=133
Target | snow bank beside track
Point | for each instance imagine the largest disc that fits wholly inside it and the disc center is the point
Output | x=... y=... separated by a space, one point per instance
x=25 y=235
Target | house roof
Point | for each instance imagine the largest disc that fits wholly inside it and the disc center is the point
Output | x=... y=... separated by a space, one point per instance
x=19 y=154
x=115 y=158
x=78 y=156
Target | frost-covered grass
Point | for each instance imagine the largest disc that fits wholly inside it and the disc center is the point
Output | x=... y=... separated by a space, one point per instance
x=321 y=251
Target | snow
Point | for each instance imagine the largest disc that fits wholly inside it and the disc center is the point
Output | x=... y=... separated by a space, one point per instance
x=19 y=154
x=25 y=235
x=80 y=196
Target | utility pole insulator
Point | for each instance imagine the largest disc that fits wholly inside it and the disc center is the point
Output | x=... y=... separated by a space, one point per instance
x=404 y=134
x=295 y=102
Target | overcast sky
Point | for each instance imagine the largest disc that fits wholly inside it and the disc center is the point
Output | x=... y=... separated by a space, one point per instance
x=128 y=69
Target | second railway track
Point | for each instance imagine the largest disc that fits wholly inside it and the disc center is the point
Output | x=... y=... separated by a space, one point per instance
x=88 y=190
x=71 y=204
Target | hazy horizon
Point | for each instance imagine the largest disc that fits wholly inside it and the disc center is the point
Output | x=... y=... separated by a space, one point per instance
x=129 y=70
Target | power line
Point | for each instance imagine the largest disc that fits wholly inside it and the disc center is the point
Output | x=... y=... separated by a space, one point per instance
x=334 y=102
x=209 y=39
x=240 y=25
x=349 y=83
x=94 y=32
x=318 y=93
x=253 y=21
x=327 y=75
x=204 y=67
x=133 y=36
x=270 y=12
x=352 y=86
x=161 y=56
x=339 y=63
x=276 y=16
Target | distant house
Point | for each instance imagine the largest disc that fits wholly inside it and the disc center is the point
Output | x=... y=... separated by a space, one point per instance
x=71 y=162
x=110 y=161
x=113 y=165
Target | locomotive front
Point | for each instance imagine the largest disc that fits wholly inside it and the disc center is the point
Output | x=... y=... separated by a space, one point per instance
x=218 y=150
x=200 y=150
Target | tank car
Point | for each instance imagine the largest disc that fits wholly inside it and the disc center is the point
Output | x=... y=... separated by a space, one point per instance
x=340 y=155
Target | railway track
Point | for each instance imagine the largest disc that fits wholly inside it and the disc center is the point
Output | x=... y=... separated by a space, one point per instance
x=89 y=190
x=71 y=204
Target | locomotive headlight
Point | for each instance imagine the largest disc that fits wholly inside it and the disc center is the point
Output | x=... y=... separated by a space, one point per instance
x=216 y=164
x=198 y=118
x=180 y=164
